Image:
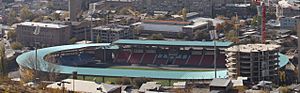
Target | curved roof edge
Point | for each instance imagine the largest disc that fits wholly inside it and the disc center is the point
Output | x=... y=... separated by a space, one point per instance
x=24 y=61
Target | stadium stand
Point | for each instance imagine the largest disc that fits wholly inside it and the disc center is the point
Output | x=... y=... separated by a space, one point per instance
x=148 y=58
x=135 y=58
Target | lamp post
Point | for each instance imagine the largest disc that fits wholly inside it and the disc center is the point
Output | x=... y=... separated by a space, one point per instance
x=36 y=33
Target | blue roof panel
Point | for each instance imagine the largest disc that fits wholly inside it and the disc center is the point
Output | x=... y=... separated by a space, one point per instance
x=171 y=43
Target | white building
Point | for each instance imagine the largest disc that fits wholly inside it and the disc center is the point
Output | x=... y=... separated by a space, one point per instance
x=172 y=28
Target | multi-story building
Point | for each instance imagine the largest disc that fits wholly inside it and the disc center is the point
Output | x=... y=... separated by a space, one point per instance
x=288 y=22
x=255 y=61
x=111 y=33
x=172 y=28
x=81 y=30
x=60 y=4
x=287 y=8
x=203 y=7
x=49 y=35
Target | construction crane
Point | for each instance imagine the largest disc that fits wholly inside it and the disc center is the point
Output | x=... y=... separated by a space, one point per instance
x=261 y=11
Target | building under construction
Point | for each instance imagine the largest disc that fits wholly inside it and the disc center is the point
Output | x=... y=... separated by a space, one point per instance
x=256 y=61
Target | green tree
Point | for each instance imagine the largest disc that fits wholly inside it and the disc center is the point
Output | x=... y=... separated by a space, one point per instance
x=180 y=36
x=200 y=35
x=137 y=82
x=12 y=17
x=231 y=36
x=26 y=14
x=156 y=37
x=16 y=46
x=73 y=40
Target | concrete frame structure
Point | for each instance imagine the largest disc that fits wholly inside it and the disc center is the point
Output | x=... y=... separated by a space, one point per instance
x=255 y=61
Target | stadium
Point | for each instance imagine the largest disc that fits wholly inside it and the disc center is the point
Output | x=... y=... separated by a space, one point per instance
x=97 y=59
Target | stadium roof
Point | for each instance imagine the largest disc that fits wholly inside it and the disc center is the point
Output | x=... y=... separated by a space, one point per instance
x=24 y=60
x=171 y=43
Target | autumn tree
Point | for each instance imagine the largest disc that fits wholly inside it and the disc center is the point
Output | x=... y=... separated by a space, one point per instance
x=55 y=16
x=231 y=36
x=2 y=59
x=12 y=17
x=98 y=39
x=25 y=13
x=16 y=46
x=200 y=35
x=11 y=35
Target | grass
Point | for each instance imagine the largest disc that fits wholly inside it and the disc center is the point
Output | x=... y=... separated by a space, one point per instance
x=157 y=69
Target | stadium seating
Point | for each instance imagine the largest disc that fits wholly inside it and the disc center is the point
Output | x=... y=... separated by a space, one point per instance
x=122 y=56
x=194 y=60
x=75 y=60
x=181 y=59
x=221 y=60
x=161 y=59
x=148 y=58
x=207 y=61
x=135 y=58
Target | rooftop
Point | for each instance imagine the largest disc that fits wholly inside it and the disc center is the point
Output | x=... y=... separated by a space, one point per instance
x=217 y=82
x=167 y=22
x=110 y=28
x=171 y=43
x=45 y=25
x=253 y=47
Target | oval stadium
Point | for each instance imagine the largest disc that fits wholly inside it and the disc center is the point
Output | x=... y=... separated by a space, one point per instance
x=174 y=60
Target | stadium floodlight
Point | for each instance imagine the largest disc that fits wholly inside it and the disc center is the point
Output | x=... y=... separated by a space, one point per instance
x=214 y=37
x=36 y=32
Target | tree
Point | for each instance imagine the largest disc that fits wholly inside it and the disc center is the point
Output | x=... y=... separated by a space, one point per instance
x=26 y=14
x=38 y=19
x=184 y=14
x=180 y=36
x=231 y=36
x=56 y=16
x=200 y=35
x=137 y=82
x=156 y=37
x=11 y=35
x=219 y=27
x=12 y=15
x=124 y=11
x=35 y=66
x=16 y=46
x=98 y=39
x=2 y=59
x=73 y=40
x=123 y=81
